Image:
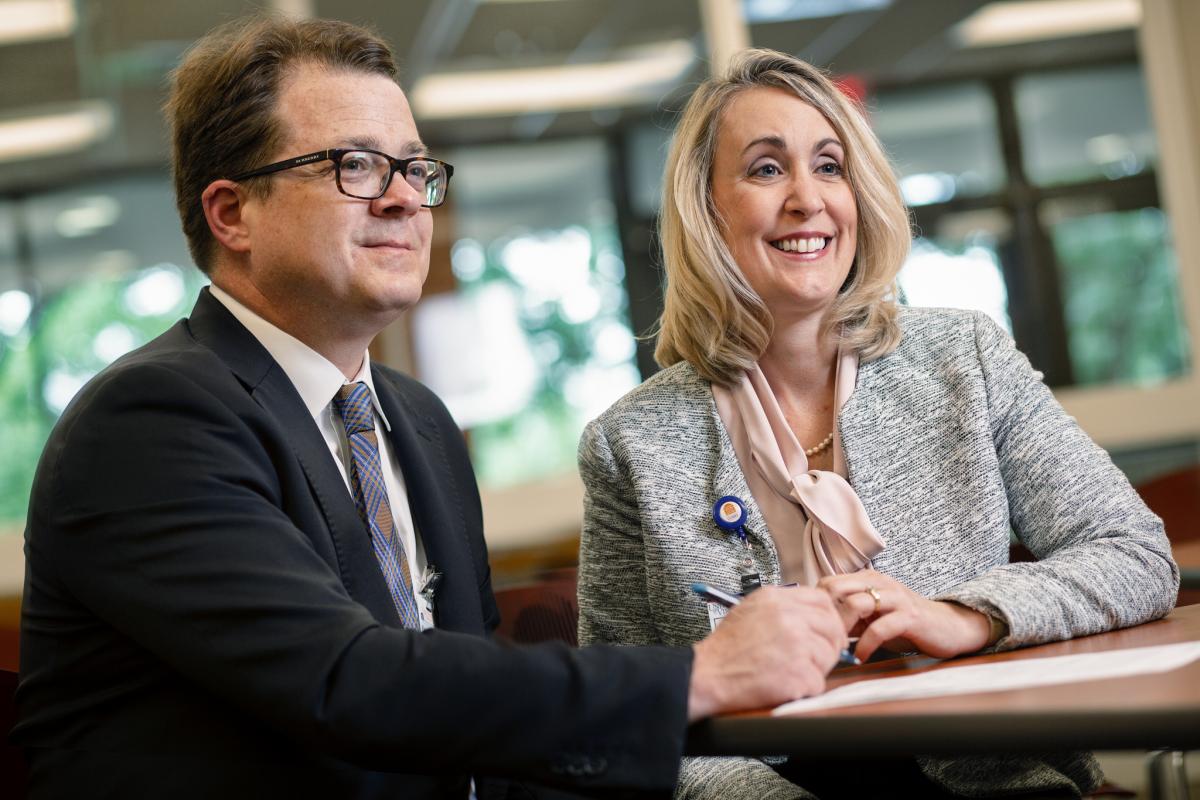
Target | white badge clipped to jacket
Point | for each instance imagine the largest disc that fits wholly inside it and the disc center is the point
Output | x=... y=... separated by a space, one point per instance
x=716 y=613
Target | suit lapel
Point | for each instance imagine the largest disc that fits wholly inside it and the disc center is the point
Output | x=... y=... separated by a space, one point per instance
x=432 y=498
x=213 y=326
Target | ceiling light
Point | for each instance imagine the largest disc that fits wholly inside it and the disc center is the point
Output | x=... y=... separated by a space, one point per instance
x=35 y=20
x=90 y=215
x=1017 y=21
x=639 y=75
x=763 y=11
x=296 y=9
x=55 y=132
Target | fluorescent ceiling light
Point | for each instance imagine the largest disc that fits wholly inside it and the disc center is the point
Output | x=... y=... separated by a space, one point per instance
x=34 y=20
x=760 y=11
x=60 y=131
x=639 y=75
x=1017 y=21
x=296 y=9
x=88 y=216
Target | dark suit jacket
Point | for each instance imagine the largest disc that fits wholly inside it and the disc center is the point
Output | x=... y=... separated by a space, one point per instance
x=204 y=616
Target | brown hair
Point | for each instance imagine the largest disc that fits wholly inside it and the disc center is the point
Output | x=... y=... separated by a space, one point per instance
x=223 y=96
x=712 y=318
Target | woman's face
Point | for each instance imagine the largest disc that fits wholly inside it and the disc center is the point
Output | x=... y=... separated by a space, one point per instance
x=779 y=185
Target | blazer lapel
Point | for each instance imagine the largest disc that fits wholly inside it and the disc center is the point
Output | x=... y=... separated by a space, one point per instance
x=214 y=326
x=728 y=479
x=883 y=397
x=417 y=441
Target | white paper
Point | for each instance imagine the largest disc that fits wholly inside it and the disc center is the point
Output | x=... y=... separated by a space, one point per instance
x=1003 y=675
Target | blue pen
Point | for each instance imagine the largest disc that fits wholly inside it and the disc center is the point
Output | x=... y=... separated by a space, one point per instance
x=845 y=658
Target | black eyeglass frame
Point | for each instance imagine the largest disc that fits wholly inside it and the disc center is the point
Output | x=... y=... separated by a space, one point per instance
x=335 y=155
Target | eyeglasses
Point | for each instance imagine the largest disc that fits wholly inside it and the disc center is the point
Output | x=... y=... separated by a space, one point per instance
x=366 y=174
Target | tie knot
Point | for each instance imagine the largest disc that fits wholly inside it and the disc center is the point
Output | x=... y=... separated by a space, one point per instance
x=353 y=402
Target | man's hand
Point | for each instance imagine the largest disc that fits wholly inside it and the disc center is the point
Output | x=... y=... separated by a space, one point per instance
x=901 y=619
x=777 y=645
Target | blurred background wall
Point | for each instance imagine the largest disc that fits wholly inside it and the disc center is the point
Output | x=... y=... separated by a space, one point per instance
x=1046 y=148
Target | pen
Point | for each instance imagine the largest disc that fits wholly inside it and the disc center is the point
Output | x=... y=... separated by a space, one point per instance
x=711 y=593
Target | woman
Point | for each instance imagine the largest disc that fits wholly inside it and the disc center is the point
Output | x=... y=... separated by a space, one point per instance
x=881 y=453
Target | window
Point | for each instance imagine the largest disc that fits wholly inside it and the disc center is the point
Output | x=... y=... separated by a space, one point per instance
x=1035 y=200
x=104 y=271
x=535 y=340
x=1080 y=125
x=1120 y=292
x=942 y=140
x=957 y=264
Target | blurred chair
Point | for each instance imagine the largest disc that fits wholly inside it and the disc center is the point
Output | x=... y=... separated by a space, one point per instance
x=1176 y=498
x=544 y=611
x=12 y=759
x=10 y=632
x=1019 y=552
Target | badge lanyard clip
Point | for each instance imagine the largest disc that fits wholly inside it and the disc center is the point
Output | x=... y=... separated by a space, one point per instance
x=730 y=514
x=430 y=580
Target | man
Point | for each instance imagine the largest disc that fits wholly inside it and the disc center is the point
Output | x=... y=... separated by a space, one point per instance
x=234 y=530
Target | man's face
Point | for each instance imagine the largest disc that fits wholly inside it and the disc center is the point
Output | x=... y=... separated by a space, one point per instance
x=317 y=256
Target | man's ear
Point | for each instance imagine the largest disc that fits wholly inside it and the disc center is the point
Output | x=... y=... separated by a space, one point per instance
x=224 y=204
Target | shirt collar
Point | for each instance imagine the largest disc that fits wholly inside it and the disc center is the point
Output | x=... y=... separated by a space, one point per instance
x=314 y=376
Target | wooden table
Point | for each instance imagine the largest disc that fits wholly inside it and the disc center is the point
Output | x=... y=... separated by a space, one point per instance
x=1145 y=712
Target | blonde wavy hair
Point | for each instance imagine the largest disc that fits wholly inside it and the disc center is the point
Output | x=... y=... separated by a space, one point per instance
x=712 y=318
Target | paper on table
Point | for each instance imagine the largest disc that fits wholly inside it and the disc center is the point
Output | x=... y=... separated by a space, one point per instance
x=1004 y=675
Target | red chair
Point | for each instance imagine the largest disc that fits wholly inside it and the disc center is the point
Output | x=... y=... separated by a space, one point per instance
x=1176 y=498
x=544 y=611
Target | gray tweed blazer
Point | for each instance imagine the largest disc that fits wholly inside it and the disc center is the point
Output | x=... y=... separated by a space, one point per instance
x=950 y=441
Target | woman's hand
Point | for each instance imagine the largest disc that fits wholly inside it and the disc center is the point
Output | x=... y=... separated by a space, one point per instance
x=882 y=611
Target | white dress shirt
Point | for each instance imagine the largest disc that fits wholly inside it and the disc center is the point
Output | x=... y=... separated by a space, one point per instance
x=318 y=381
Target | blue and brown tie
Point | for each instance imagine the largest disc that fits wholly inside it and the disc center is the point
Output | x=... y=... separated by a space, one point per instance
x=353 y=402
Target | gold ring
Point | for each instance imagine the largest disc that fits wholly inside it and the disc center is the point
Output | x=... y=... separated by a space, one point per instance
x=871 y=590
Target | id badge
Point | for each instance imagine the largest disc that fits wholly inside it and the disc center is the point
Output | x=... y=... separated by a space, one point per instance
x=425 y=610
x=716 y=613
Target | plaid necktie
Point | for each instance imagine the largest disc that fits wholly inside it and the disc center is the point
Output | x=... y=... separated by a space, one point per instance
x=353 y=402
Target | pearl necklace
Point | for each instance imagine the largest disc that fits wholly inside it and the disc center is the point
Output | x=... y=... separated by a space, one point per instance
x=812 y=451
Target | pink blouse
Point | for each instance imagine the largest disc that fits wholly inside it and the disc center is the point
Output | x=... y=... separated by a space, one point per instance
x=816 y=520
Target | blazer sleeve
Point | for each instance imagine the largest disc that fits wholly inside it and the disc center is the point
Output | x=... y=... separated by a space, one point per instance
x=160 y=513
x=613 y=602
x=614 y=608
x=1103 y=558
